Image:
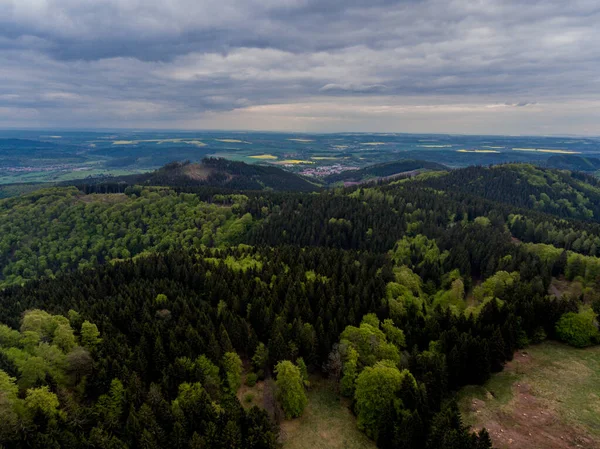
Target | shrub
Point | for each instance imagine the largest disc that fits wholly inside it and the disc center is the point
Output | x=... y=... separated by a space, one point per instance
x=578 y=329
x=251 y=379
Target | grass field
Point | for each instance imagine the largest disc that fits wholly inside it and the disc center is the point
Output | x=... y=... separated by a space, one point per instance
x=327 y=423
x=547 y=397
x=263 y=156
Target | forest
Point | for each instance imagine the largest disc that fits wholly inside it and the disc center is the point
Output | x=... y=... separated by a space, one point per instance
x=132 y=314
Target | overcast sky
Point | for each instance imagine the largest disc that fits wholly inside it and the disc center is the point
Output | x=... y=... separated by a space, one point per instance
x=456 y=66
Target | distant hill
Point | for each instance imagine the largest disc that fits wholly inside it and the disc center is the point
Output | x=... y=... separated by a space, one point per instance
x=566 y=195
x=19 y=144
x=385 y=170
x=211 y=172
x=572 y=162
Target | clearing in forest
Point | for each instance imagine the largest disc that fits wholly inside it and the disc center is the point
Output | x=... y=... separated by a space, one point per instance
x=547 y=397
x=327 y=423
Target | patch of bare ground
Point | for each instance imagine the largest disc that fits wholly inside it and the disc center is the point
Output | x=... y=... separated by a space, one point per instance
x=530 y=422
x=197 y=172
x=251 y=396
x=545 y=398
x=561 y=286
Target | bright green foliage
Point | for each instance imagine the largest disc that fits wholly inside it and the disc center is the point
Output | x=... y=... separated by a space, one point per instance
x=482 y=221
x=39 y=321
x=190 y=394
x=9 y=337
x=311 y=276
x=547 y=253
x=393 y=334
x=64 y=338
x=303 y=371
x=376 y=388
x=495 y=285
x=578 y=329
x=208 y=373
x=161 y=299
x=90 y=335
x=232 y=364
x=45 y=347
x=234 y=229
x=418 y=251
x=8 y=388
x=241 y=264
x=290 y=389
x=370 y=342
x=454 y=297
x=10 y=407
x=350 y=371
x=576 y=266
x=405 y=292
x=42 y=400
x=56 y=229
x=371 y=319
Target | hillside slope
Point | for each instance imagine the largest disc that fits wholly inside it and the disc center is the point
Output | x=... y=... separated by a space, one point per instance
x=386 y=170
x=571 y=162
x=566 y=195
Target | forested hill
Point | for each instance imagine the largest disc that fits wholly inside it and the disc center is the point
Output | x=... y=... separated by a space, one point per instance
x=564 y=194
x=132 y=319
x=212 y=172
x=386 y=170
x=572 y=162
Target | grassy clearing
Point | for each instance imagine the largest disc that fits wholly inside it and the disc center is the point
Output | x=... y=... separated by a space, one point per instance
x=548 y=396
x=327 y=423
x=324 y=158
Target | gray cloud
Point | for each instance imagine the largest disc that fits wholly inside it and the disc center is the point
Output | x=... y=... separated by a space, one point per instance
x=176 y=63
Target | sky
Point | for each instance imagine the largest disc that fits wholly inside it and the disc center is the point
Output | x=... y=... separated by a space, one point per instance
x=433 y=66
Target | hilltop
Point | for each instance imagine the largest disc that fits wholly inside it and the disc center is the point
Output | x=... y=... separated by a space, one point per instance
x=211 y=172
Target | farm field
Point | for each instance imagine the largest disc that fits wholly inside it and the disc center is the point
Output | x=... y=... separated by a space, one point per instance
x=548 y=396
x=36 y=156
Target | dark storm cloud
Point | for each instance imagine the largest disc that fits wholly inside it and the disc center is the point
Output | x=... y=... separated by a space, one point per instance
x=140 y=61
